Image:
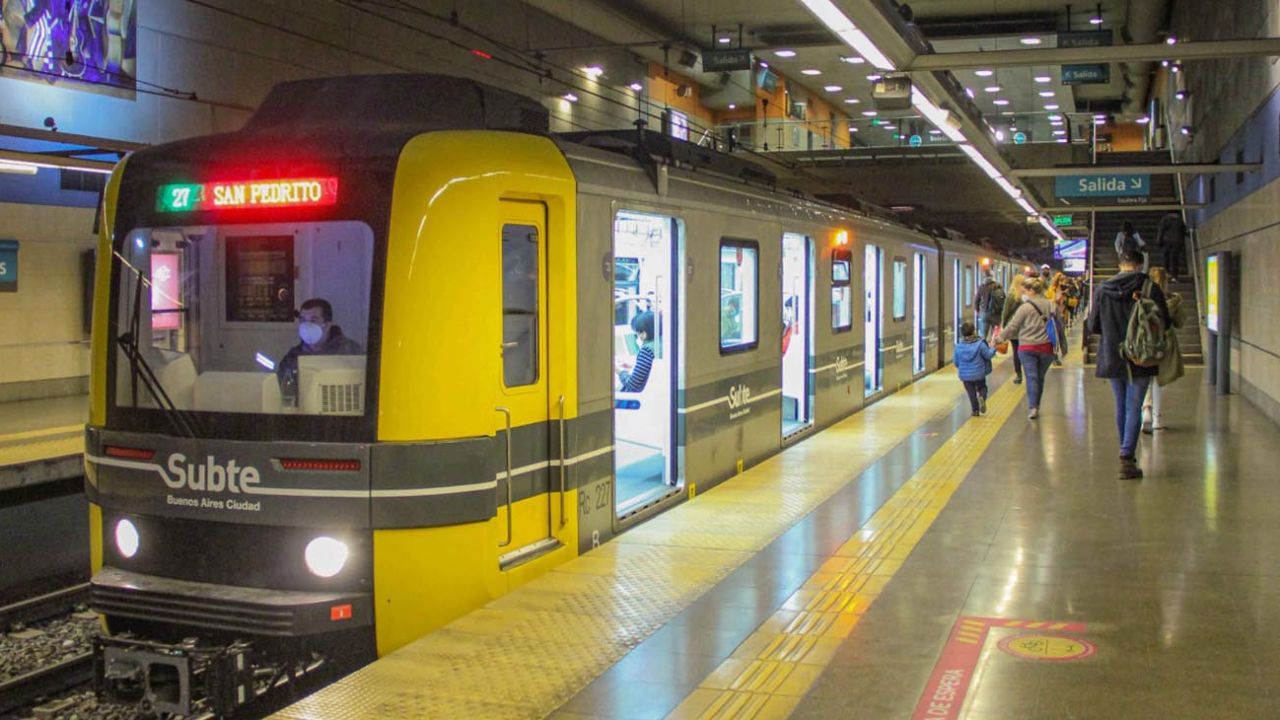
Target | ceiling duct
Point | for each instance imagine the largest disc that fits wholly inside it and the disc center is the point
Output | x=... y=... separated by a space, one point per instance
x=794 y=36
x=1143 y=25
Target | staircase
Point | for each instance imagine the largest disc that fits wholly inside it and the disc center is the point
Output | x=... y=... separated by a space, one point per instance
x=1106 y=264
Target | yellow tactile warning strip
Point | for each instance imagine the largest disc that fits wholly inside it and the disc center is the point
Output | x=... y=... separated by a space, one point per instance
x=44 y=444
x=526 y=653
x=768 y=674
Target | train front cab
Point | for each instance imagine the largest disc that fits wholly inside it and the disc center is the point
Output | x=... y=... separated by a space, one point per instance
x=393 y=487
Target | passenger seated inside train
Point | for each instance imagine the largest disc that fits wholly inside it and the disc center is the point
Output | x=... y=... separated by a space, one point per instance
x=319 y=336
x=634 y=378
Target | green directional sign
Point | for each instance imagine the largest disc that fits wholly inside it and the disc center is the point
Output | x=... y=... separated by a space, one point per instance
x=1062 y=221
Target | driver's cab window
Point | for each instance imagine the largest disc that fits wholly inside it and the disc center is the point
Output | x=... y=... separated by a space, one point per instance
x=270 y=318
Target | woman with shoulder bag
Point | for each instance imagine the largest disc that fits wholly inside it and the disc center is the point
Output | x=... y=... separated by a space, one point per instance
x=1012 y=300
x=1035 y=325
x=1171 y=367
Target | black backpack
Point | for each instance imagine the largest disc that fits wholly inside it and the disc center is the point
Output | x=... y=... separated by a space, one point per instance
x=995 y=301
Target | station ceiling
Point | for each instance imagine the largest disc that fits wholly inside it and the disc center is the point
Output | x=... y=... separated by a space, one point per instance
x=785 y=34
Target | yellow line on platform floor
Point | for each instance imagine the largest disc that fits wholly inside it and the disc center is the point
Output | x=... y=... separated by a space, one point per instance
x=44 y=444
x=525 y=654
x=769 y=673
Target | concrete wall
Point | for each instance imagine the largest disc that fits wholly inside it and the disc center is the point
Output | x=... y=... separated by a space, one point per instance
x=1234 y=109
x=43 y=345
x=224 y=55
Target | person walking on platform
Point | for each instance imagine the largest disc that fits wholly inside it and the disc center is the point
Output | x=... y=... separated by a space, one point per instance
x=1115 y=310
x=1171 y=236
x=1171 y=367
x=1037 y=328
x=1011 y=302
x=988 y=305
x=972 y=359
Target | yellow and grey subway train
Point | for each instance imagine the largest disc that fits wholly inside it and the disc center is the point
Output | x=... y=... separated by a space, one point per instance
x=392 y=349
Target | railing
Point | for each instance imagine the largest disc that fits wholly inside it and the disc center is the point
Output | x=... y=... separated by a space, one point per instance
x=893 y=129
x=1192 y=261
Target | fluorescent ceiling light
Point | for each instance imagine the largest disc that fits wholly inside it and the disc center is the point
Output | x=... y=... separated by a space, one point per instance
x=832 y=88
x=980 y=161
x=940 y=118
x=1000 y=101
x=1055 y=117
x=852 y=101
x=725 y=40
x=1006 y=112
x=593 y=71
x=1144 y=120
x=18 y=168
x=1030 y=41
x=843 y=27
x=993 y=88
x=764 y=64
x=1062 y=140
x=1056 y=123
x=853 y=129
x=1031 y=210
x=999 y=136
x=969 y=92
x=785 y=53
x=1043 y=78
x=570 y=97
x=733 y=106
x=852 y=59
x=1048 y=225
x=935 y=131
x=869 y=113
x=1095 y=20
x=875 y=77
x=984 y=73
x=1052 y=106
x=1010 y=189
x=1059 y=132
x=636 y=86
x=811 y=71
x=1047 y=93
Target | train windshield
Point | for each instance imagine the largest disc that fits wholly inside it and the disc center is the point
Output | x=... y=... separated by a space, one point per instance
x=268 y=319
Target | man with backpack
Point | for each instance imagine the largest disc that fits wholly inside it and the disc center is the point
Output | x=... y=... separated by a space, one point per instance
x=988 y=305
x=1129 y=315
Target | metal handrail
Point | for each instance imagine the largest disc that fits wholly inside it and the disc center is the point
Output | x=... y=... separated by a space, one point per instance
x=506 y=412
x=1193 y=263
x=564 y=520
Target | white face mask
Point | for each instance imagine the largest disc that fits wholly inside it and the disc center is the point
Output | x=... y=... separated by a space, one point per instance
x=1026 y=297
x=310 y=333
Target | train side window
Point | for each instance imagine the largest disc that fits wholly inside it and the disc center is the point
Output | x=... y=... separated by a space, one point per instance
x=739 y=293
x=519 y=305
x=899 y=288
x=841 y=292
x=968 y=285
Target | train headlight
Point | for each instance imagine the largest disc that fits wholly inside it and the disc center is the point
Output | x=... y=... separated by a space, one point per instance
x=127 y=538
x=326 y=556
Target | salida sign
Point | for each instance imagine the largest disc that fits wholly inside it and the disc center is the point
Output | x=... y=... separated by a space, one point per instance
x=1133 y=188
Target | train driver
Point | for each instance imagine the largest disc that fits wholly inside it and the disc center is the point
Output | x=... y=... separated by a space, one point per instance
x=635 y=378
x=319 y=336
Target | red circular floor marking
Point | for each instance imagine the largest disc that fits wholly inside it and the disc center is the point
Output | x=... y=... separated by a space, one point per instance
x=1045 y=646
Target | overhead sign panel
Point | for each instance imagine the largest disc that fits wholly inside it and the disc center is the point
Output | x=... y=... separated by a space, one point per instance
x=727 y=60
x=1126 y=189
x=1090 y=74
x=8 y=266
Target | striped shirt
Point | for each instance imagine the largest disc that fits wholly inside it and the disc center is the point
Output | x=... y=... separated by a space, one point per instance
x=635 y=380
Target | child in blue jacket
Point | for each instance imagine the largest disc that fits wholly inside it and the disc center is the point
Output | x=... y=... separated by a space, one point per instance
x=973 y=359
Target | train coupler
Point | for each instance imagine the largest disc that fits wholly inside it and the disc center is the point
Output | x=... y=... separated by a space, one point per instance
x=183 y=679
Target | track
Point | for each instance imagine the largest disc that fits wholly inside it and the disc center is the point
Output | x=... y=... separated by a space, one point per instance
x=46 y=650
x=67 y=674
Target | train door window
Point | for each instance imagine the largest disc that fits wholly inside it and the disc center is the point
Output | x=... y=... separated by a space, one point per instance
x=841 y=291
x=968 y=285
x=919 y=315
x=899 y=289
x=797 y=333
x=739 y=285
x=872 y=281
x=519 y=304
x=646 y=371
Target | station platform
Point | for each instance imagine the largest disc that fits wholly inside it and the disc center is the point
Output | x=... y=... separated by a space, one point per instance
x=910 y=562
x=41 y=440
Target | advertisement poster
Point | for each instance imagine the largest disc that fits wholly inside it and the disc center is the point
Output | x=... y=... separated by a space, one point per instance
x=94 y=41
x=1211 y=286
